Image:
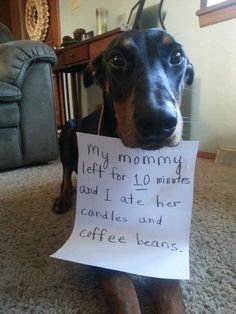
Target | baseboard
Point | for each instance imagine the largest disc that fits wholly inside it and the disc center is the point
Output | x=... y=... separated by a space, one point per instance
x=206 y=155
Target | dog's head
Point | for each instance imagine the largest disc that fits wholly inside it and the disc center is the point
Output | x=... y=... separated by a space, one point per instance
x=143 y=73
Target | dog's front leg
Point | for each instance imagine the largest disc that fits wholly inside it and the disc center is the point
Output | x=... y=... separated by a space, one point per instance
x=63 y=202
x=120 y=292
x=167 y=297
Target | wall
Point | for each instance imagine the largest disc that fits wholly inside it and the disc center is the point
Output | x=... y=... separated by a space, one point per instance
x=85 y=15
x=211 y=49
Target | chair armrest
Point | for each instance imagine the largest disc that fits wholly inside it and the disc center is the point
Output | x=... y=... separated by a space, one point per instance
x=9 y=93
x=17 y=56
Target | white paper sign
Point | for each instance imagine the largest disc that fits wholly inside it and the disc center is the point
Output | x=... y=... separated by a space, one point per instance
x=133 y=208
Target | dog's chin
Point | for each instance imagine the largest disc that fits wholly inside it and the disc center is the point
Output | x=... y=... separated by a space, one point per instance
x=149 y=144
x=132 y=139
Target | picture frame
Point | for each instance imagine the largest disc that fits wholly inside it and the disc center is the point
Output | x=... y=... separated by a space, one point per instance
x=135 y=14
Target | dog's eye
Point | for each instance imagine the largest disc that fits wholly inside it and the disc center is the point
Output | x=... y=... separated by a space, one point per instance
x=117 y=61
x=176 y=57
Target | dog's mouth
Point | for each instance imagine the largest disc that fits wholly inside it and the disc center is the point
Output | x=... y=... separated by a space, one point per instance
x=130 y=137
x=152 y=146
x=158 y=145
x=132 y=140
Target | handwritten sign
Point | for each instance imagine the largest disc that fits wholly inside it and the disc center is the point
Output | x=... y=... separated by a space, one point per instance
x=133 y=208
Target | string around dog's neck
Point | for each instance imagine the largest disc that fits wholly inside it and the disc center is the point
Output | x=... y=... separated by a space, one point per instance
x=100 y=120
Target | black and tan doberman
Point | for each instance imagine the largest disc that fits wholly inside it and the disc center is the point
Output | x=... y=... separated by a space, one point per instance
x=142 y=74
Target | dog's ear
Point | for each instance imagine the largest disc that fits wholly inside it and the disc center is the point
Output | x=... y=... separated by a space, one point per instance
x=93 y=72
x=88 y=75
x=189 y=74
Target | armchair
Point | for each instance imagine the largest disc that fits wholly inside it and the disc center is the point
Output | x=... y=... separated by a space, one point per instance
x=27 y=114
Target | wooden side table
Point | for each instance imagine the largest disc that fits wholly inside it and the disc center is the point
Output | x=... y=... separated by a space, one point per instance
x=67 y=73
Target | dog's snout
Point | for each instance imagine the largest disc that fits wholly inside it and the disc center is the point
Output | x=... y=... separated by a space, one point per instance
x=158 y=123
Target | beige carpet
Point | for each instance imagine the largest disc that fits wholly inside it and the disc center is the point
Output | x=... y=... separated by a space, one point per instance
x=31 y=282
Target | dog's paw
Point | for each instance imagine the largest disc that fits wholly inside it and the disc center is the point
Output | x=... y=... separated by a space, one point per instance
x=61 y=206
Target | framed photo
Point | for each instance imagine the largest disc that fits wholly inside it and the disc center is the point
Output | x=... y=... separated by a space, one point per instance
x=135 y=14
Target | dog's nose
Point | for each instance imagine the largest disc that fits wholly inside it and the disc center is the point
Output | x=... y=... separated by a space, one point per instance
x=158 y=123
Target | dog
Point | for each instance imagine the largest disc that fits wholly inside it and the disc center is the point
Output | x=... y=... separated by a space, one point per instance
x=142 y=74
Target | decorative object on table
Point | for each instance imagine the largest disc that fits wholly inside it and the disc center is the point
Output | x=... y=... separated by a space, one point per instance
x=78 y=35
x=101 y=20
x=66 y=39
x=37 y=19
x=87 y=35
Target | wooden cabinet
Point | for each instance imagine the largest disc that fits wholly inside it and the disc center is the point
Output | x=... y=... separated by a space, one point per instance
x=71 y=62
x=75 y=55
